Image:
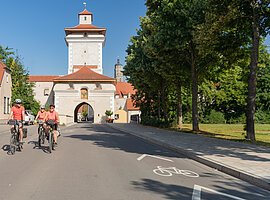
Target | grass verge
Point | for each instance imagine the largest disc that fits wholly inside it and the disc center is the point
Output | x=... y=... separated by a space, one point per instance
x=234 y=132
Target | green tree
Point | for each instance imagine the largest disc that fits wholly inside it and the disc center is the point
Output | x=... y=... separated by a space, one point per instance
x=21 y=87
x=244 y=23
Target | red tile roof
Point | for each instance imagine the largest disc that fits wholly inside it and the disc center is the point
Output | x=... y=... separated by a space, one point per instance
x=124 y=88
x=85 y=28
x=85 y=12
x=85 y=74
x=42 y=78
x=131 y=105
x=2 y=71
x=81 y=66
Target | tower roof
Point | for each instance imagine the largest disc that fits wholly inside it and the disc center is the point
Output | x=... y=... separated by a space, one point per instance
x=85 y=74
x=85 y=12
x=85 y=28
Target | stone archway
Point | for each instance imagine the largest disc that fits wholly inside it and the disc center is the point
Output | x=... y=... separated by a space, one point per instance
x=84 y=113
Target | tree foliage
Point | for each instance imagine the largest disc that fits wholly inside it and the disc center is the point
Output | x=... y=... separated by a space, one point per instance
x=21 y=87
x=200 y=57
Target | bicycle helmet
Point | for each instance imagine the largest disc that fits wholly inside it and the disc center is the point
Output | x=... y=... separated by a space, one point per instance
x=42 y=107
x=18 y=101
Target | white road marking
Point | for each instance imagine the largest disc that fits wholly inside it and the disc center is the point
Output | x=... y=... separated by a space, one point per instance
x=196 y=195
x=144 y=155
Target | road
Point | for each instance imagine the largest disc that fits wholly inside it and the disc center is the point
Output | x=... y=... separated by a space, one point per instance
x=96 y=162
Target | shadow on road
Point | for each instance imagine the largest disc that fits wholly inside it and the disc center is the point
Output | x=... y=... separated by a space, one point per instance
x=106 y=137
x=168 y=191
x=45 y=149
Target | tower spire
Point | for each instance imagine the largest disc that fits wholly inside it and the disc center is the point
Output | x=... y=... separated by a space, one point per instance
x=84 y=3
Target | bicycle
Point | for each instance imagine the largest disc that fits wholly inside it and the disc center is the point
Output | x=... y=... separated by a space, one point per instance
x=41 y=133
x=15 y=143
x=169 y=171
x=51 y=123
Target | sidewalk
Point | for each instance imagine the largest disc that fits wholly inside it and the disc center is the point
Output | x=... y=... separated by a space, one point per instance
x=248 y=162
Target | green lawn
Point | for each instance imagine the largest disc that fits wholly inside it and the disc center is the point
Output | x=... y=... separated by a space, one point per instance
x=232 y=132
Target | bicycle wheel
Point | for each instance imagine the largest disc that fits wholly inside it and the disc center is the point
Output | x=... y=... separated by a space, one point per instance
x=189 y=173
x=50 y=142
x=162 y=172
x=12 y=145
x=39 y=137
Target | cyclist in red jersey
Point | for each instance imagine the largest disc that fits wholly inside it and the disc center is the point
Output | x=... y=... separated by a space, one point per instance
x=41 y=115
x=17 y=113
x=53 y=115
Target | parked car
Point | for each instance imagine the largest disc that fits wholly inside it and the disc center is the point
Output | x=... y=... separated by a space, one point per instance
x=29 y=117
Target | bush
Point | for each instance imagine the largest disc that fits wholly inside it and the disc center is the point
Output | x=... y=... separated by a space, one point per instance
x=215 y=117
x=238 y=120
x=157 y=122
x=262 y=117
x=187 y=118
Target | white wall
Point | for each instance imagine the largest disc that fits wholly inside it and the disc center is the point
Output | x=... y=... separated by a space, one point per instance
x=67 y=99
x=39 y=92
x=5 y=91
x=85 y=50
x=87 y=21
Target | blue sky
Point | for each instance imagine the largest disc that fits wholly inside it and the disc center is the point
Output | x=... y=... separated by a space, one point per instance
x=36 y=29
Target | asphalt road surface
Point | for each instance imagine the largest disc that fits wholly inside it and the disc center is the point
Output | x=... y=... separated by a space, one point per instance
x=96 y=162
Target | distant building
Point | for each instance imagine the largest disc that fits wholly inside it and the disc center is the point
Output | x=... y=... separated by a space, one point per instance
x=118 y=72
x=5 y=91
x=126 y=110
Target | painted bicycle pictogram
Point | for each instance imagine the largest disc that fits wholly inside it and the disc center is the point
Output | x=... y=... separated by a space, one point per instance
x=169 y=171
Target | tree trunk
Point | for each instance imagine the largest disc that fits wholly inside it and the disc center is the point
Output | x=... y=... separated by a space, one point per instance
x=195 y=116
x=252 y=75
x=164 y=103
x=179 y=106
x=159 y=104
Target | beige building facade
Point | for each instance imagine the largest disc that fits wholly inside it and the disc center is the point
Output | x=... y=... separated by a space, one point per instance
x=5 y=91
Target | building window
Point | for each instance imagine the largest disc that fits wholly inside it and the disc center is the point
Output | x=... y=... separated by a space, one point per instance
x=85 y=18
x=46 y=92
x=8 y=105
x=84 y=93
x=7 y=78
x=5 y=105
x=85 y=34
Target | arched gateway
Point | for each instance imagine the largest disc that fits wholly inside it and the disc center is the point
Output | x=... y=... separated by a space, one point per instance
x=84 y=113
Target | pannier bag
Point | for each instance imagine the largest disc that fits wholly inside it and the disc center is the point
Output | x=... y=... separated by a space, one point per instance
x=24 y=132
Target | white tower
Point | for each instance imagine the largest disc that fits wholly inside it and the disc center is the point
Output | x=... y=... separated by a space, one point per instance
x=85 y=42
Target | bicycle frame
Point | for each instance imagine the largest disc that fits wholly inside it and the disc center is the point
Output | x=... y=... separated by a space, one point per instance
x=50 y=123
x=41 y=133
x=14 y=139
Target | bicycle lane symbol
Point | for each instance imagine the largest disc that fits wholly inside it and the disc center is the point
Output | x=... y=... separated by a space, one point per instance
x=169 y=171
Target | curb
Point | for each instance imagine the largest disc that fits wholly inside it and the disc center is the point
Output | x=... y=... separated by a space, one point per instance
x=250 y=178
